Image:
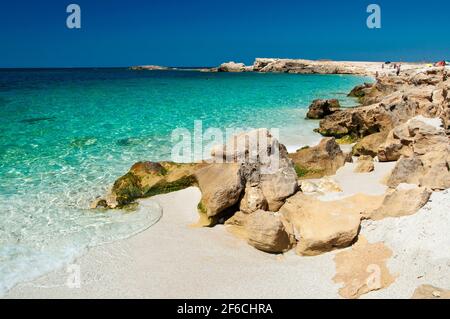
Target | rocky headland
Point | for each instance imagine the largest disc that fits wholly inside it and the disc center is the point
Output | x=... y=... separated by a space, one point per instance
x=403 y=122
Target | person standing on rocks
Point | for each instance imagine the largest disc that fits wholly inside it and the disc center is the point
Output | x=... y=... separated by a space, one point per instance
x=398 y=69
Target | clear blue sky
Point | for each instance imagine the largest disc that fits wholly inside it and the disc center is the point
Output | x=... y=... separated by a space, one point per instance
x=207 y=32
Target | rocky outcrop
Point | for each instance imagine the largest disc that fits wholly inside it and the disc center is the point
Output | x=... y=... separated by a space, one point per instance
x=267 y=232
x=418 y=136
x=318 y=161
x=403 y=201
x=301 y=66
x=357 y=122
x=430 y=170
x=361 y=91
x=423 y=153
x=321 y=108
x=232 y=67
x=320 y=226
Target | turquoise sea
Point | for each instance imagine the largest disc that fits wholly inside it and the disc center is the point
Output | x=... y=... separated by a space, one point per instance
x=67 y=134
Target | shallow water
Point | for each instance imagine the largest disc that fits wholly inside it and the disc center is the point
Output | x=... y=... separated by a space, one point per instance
x=66 y=135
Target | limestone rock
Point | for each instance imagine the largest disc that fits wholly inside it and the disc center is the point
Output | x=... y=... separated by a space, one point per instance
x=264 y=163
x=253 y=200
x=221 y=186
x=321 y=108
x=407 y=170
x=370 y=144
x=403 y=201
x=324 y=226
x=232 y=67
x=146 y=179
x=418 y=136
x=266 y=231
x=318 y=161
x=358 y=122
x=323 y=185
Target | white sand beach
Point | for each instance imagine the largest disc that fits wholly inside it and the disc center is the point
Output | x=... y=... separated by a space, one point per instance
x=172 y=259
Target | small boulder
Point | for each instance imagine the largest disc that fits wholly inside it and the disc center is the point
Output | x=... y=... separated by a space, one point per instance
x=405 y=200
x=267 y=232
x=253 y=200
x=221 y=186
x=370 y=144
x=318 y=161
x=407 y=170
x=321 y=226
x=365 y=164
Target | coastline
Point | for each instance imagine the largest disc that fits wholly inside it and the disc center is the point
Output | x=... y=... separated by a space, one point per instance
x=305 y=270
x=172 y=259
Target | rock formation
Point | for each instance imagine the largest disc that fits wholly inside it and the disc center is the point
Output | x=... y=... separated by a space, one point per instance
x=318 y=161
x=320 y=108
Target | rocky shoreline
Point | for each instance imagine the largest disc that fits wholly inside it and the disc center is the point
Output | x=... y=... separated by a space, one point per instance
x=402 y=119
x=298 y=66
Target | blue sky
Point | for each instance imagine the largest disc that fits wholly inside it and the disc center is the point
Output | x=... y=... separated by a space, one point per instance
x=208 y=32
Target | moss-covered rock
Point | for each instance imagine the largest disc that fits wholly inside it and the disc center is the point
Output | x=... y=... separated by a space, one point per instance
x=146 y=179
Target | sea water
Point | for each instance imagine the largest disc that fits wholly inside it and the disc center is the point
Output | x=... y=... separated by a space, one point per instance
x=67 y=134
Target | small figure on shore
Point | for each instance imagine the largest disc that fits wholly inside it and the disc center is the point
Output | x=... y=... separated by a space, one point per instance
x=398 y=69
